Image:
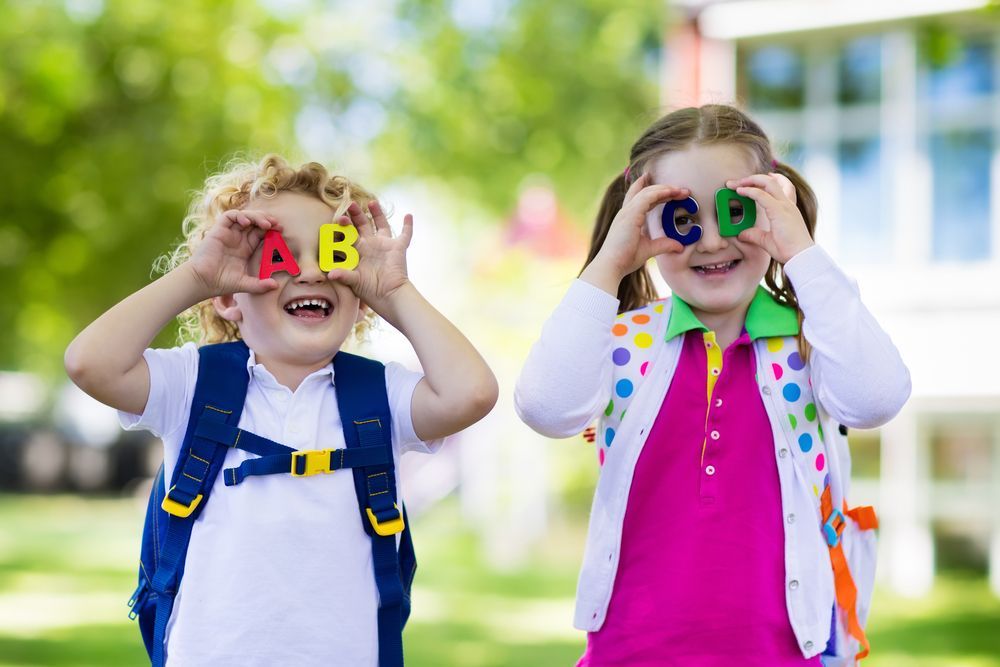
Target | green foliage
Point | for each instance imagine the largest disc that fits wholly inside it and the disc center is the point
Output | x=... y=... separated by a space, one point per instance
x=559 y=90
x=110 y=114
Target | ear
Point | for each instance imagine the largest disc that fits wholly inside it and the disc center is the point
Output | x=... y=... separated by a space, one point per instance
x=363 y=311
x=227 y=307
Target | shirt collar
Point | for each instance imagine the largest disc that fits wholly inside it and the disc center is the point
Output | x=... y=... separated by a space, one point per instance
x=766 y=318
x=261 y=372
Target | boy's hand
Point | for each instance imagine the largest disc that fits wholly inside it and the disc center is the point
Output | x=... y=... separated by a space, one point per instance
x=221 y=260
x=780 y=228
x=382 y=267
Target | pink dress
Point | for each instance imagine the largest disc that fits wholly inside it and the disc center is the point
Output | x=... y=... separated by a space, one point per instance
x=701 y=577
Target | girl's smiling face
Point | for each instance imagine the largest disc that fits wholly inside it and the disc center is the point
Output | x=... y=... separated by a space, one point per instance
x=717 y=276
x=306 y=319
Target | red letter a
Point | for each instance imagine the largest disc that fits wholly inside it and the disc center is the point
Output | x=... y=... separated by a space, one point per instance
x=274 y=245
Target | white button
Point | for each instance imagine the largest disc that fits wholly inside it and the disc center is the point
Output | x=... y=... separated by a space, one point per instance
x=782 y=453
x=715 y=371
x=715 y=435
x=793 y=584
x=708 y=344
x=709 y=470
x=808 y=646
x=791 y=518
x=718 y=402
x=766 y=391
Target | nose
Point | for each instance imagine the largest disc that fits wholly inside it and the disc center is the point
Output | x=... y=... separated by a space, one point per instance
x=711 y=240
x=309 y=271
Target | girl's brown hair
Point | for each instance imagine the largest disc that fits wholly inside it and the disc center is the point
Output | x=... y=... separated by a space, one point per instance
x=233 y=188
x=704 y=125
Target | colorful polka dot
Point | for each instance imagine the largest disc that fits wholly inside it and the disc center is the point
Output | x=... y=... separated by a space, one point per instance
x=611 y=408
x=640 y=319
x=621 y=356
x=619 y=330
x=820 y=427
x=624 y=388
x=791 y=392
x=643 y=368
x=795 y=361
x=820 y=462
x=811 y=412
x=805 y=442
x=815 y=491
x=794 y=421
x=609 y=435
x=643 y=340
x=622 y=415
x=600 y=455
x=775 y=344
x=777 y=371
x=658 y=307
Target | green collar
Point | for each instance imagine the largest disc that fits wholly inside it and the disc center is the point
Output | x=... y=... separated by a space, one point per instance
x=766 y=318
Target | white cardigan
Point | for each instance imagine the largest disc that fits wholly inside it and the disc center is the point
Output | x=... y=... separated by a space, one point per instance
x=858 y=378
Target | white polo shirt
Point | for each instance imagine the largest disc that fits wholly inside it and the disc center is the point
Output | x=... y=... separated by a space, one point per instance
x=279 y=568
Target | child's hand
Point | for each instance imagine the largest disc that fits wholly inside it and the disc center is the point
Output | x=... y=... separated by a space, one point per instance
x=780 y=229
x=220 y=262
x=381 y=269
x=628 y=245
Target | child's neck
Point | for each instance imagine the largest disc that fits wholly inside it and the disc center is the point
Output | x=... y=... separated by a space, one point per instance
x=289 y=374
x=727 y=326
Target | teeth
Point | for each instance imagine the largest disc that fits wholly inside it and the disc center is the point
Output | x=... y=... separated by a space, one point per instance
x=711 y=267
x=322 y=303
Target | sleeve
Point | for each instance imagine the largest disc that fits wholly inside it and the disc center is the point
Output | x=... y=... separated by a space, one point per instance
x=856 y=371
x=400 y=383
x=172 y=376
x=566 y=381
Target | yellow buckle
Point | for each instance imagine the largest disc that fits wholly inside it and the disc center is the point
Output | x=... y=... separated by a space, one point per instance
x=389 y=527
x=171 y=506
x=317 y=461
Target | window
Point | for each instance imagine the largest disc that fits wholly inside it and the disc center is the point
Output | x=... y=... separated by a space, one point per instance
x=860 y=72
x=962 y=78
x=961 y=175
x=865 y=224
x=773 y=78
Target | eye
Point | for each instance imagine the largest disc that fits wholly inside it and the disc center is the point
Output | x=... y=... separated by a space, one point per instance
x=735 y=212
x=683 y=222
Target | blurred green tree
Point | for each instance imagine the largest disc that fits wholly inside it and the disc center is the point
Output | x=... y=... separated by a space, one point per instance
x=491 y=92
x=113 y=111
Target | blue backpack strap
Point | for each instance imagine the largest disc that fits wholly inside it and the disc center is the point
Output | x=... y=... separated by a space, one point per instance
x=364 y=412
x=219 y=395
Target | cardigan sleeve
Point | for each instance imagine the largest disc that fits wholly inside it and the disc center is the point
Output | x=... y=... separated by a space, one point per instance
x=566 y=381
x=856 y=371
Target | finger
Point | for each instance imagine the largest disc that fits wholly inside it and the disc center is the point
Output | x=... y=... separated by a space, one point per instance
x=378 y=215
x=657 y=194
x=786 y=185
x=358 y=217
x=637 y=185
x=762 y=197
x=665 y=246
x=230 y=218
x=407 y=233
x=765 y=182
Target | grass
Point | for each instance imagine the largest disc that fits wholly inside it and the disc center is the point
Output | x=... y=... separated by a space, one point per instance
x=66 y=569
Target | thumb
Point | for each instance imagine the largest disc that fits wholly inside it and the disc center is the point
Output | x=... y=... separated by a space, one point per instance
x=253 y=286
x=665 y=245
x=754 y=235
x=349 y=278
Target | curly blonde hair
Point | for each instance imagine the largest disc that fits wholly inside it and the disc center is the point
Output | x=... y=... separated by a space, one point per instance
x=241 y=181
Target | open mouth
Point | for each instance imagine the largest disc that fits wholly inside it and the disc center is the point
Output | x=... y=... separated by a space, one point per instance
x=313 y=309
x=716 y=269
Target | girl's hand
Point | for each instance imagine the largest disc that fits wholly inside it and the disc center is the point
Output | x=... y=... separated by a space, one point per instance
x=221 y=260
x=628 y=245
x=381 y=270
x=780 y=229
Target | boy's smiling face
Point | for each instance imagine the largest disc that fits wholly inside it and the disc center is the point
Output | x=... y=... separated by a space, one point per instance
x=303 y=322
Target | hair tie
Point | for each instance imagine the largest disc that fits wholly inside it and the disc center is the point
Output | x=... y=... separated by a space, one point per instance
x=628 y=168
x=774 y=164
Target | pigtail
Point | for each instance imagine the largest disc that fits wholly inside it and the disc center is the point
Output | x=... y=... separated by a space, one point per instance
x=636 y=289
x=775 y=278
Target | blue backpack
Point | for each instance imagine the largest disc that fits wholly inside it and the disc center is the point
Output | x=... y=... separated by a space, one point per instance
x=218 y=401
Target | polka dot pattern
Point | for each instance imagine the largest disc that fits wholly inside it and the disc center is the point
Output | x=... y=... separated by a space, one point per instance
x=624 y=388
x=643 y=340
x=791 y=392
x=621 y=356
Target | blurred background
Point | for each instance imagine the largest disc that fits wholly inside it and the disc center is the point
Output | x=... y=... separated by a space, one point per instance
x=498 y=124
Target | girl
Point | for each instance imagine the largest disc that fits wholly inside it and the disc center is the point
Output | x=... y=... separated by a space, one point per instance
x=279 y=569
x=715 y=534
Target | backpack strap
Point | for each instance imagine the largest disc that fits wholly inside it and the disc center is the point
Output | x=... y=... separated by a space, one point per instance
x=364 y=411
x=844 y=586
x=219 y=394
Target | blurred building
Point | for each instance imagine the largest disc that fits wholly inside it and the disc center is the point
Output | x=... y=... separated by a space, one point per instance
x=892 y=112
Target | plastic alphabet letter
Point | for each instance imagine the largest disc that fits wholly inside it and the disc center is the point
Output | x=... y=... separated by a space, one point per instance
x=274 y=244
x=723 y=199
x=329 y=244
x=670 y=228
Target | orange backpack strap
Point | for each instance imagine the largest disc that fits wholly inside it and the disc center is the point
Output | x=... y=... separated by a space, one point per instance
x=847 y=592
x=864 y=516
